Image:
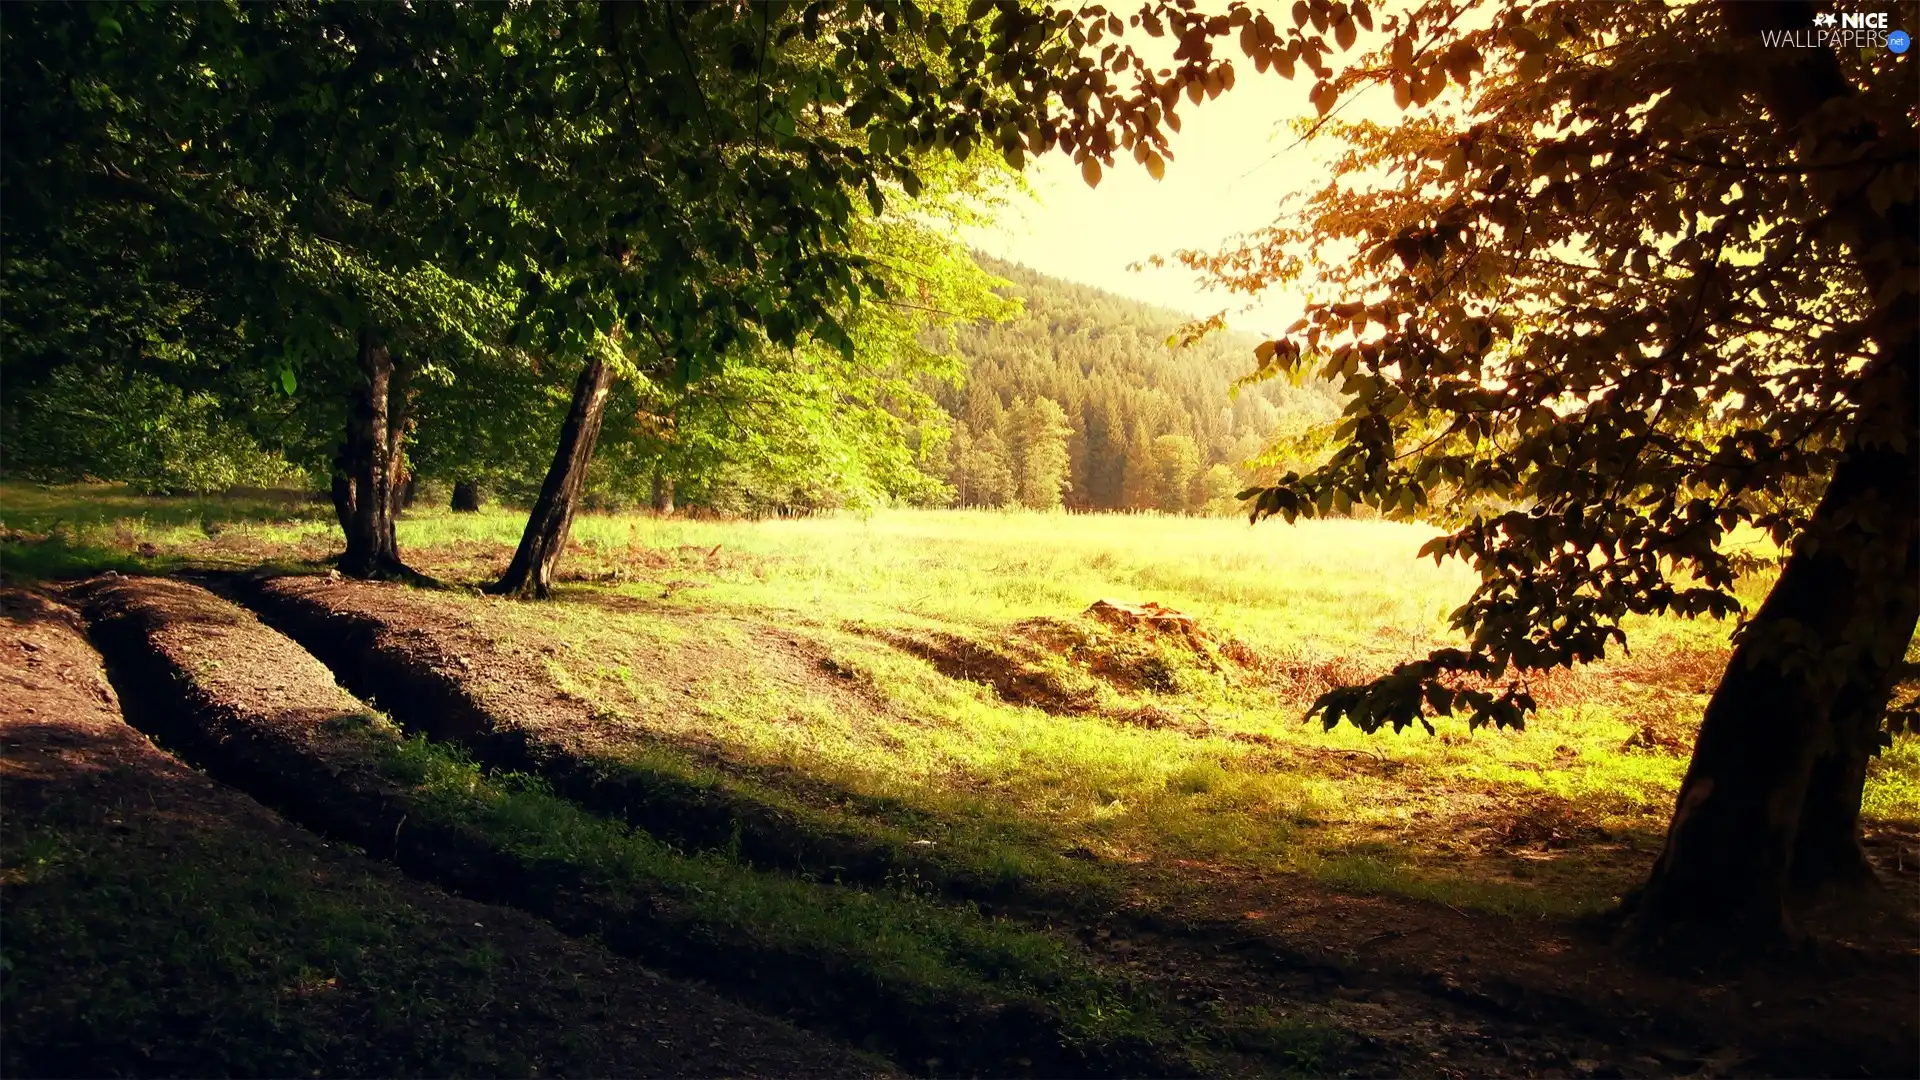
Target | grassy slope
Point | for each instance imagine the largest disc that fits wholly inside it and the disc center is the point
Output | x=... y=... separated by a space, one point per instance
x=669 y=639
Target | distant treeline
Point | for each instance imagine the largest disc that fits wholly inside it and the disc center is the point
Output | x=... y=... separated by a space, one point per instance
x=1081 y=401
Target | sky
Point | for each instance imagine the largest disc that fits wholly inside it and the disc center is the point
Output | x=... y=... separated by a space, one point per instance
x=1231 y=164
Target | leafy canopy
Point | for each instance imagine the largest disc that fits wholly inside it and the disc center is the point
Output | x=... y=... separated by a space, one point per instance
x=1597 y=269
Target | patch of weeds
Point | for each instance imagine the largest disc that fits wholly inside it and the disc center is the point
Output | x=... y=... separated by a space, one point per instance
x=58 y=557
x=1300 y=1048
x=1893 y=782
x=347 y=722
x=1385 y=869
x=1197 y=778
x=901 y=938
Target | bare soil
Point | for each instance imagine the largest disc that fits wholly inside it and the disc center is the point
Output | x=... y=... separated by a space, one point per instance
x=457 y=986
x=1437 y=990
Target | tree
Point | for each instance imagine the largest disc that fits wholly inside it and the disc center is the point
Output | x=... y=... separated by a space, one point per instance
x=1176 y=465
x=728 y=144
x=1214 y=491
x=284 y=180
x=545 y=537
x=1139 y=479
x=1039 y=451
x=987 y=472
x=1656 y=277
x=782 y=430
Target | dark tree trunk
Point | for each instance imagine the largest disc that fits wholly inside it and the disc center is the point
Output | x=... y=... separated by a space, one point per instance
x=342 y=490
x=466 y=496
x=408 y=491
x=371 y=470
x=531 y=573
x=662 y=491
x=1781 y=756
x=1827 y=849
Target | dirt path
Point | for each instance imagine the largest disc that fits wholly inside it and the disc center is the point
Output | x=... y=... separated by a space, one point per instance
x=1442 y=992
x=261 y=714
x=158 y=922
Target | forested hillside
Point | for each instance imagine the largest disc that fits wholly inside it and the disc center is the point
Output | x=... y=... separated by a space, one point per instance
x=1080 y=399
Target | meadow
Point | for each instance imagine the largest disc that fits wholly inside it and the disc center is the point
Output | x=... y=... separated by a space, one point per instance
x=933 y=670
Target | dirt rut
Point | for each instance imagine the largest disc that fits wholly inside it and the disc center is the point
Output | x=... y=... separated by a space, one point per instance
x=95 y=812
x=262 y=714
x=438 y=677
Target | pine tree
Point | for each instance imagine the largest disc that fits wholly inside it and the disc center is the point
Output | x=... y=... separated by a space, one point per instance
x=1136 y=473
x=1039 y=431
x=959 y=455
x=989 y=471
x=1106 y=361
x=1176 y=462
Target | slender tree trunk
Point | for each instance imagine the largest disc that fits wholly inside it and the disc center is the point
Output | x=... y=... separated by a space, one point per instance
x=531 y=573
x=662 y=491
x=342 y=488
x=466 y=496
x=372 y=464
x=1781 y=755
x=399 y=473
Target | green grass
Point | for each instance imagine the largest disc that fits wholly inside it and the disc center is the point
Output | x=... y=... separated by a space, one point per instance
x=224 y=956
x=704 y=641
x=902 y=938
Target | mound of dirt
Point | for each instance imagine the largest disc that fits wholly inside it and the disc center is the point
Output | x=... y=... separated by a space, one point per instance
x=1016 y=671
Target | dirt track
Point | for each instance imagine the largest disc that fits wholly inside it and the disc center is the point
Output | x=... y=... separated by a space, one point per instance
x=261 y=714
x=74 y=769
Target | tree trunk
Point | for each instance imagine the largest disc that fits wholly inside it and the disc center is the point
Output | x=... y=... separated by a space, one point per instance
x=1827 y=849
x=371 y=470
x=531 y=573
x=342 y=489
x=1784 y=742
x=662 y=491
x=466 y=496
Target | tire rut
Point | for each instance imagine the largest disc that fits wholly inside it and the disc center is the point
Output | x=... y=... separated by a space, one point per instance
x=428 y=690
x=132 y=881
x=262 y=715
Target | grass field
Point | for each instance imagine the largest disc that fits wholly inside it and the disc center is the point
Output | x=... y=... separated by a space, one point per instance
x=1170 y=766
